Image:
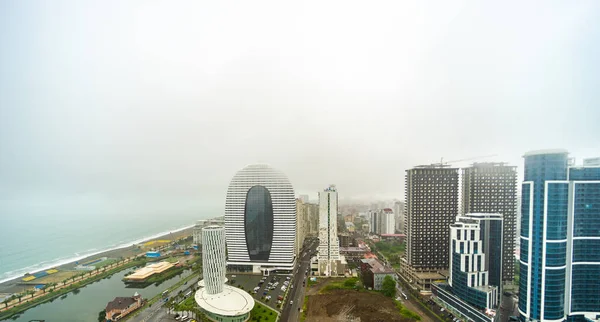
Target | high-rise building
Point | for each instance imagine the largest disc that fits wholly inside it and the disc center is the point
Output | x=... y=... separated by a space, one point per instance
x=302 y=224
x=560 y=239
x=399 y=212
x=431 y=206
x=304 y=198
x=492 y=188
x=374 y=221
x=330 y=261
x=197 y=230
x=260 y=220
x=382 y=221
x=213 y=261
x=475 y=272
x=220 y=302
x=388 y=221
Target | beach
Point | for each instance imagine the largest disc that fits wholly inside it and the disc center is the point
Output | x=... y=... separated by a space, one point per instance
x=65 y=270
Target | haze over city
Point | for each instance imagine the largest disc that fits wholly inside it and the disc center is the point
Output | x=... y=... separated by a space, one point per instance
x=151 y=107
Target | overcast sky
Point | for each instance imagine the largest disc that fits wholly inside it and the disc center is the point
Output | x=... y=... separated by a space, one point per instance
x=156 y=104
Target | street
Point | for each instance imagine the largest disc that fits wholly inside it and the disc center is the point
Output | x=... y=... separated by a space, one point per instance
x=156 y=312
x=292 y=312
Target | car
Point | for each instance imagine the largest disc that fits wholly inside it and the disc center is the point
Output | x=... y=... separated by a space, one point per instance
x=292 y=286
x=264 y=293
x=280 y=297
x=268 y=297
x=288 y=278
x=291 y=302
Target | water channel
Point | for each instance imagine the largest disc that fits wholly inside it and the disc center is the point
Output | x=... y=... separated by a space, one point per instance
x=85 y=303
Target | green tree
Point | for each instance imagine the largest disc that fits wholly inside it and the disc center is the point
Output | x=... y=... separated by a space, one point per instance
x=388 y=287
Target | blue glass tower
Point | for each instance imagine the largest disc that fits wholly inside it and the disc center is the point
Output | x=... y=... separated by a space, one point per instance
x=560 y=239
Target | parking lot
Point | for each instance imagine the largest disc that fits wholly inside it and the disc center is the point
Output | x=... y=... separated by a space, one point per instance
x=249 y=282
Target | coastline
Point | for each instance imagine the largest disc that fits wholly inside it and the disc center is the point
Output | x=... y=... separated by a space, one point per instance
x=13 y=284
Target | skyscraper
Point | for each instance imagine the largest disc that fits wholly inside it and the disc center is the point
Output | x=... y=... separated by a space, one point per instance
x=431 y=206
x=330 y=261
x=399 y=212
x=302 y=224
x=220 y=302
x=475 y=272
x=213 y=259
x=388 y=221
x=260 y=220
x=560 y=239
x=382 y=221
x=492 y=188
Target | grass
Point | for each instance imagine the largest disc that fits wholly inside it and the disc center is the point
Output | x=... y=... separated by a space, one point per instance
x=107 y=262
x=341 y=284
x=186 y=305
x=172 y=260
x=304 y=309
x=391 y=250
x=263 y=313
x=406 y=312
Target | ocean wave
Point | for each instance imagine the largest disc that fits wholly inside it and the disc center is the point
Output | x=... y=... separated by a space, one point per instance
x=42 y=266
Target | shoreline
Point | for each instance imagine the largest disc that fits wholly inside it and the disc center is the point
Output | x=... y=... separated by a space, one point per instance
x=117 y=251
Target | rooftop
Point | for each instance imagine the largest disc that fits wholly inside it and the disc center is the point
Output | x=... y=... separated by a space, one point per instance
x=353 y=249
x=231 y=302
x=430 y=276
x=377 y=267
x=121 y=303
x=546 y=151
x=149 y=270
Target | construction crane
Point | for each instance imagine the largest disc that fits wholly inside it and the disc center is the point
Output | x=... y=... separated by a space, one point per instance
x=443 y=164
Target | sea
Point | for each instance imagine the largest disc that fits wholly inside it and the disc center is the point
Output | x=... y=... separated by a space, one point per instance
x=33 y=243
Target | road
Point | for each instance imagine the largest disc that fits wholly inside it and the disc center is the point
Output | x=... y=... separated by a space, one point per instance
x=157 y=312
x=296 y=294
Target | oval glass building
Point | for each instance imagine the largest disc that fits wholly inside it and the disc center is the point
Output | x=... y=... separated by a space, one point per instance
x=260 y=220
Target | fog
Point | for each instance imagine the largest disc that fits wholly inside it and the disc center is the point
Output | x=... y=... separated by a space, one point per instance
x=151 y=106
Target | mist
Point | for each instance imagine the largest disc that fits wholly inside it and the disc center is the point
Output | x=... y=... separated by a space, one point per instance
x=146 y=107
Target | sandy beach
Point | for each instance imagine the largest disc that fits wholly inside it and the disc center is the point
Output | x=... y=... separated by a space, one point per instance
x=17 y=285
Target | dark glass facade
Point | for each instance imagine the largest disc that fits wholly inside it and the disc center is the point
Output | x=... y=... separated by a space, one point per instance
x=564 y=256
x=258 y=223
x=491 y=236
x=585 y=276
x=539 y=168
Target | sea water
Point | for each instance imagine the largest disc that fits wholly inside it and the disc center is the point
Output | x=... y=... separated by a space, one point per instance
x=32 y=243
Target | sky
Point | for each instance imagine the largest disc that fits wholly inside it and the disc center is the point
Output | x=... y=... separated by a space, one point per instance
x=152 y=106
